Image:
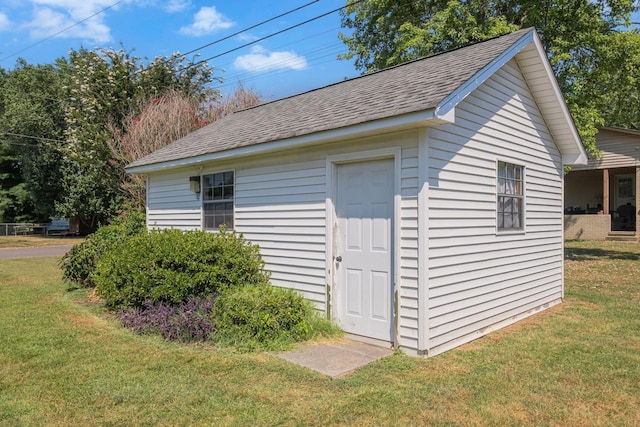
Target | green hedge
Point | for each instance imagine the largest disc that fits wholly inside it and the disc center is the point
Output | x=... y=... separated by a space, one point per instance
x=170 y=266
x=79 y=264
x=263 y=317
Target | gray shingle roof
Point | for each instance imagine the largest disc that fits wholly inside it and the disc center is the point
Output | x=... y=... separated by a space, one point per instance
x=416 y=86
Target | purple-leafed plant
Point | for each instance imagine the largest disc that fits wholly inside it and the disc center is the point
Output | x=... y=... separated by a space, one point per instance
x=188 y=321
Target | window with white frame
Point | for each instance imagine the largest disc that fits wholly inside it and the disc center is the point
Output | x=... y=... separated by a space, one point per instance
x=217 y=200
x=510 y=196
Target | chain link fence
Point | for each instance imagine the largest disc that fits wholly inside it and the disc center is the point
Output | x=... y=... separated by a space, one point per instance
x=15 y=228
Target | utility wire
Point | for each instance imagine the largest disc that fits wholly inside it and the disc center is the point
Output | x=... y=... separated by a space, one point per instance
x=17 y=144
x=19 y=135
x=270 y=35
x=63 y=30
x=245 y=29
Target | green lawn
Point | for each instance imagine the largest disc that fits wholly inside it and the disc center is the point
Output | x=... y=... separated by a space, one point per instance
x=64 y=361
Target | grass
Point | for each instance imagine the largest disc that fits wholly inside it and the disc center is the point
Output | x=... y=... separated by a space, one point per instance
x=64 y=361
x=33 y=241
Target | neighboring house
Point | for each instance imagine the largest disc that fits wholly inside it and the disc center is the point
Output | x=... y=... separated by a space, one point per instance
x=419 y=206
x=601 y=197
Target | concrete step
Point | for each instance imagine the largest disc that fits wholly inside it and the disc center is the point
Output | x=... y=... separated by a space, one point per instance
x=622 y=236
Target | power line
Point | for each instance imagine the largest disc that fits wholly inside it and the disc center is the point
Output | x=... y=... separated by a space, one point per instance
x=247 y=29
x=270 y=35
x=314 y=57
x=63 y=30
x=19 y=135
x=18 y=144
x=306 y=54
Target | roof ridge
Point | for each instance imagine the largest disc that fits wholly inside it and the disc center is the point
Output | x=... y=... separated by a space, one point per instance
x=402 y=90
x=423 y=58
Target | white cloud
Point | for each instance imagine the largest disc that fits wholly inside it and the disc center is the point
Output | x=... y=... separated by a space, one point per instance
x=260 y=59
x=47 y=22
x=4 y=22
x=206 y=21
x=67 y=17
x=177 y=5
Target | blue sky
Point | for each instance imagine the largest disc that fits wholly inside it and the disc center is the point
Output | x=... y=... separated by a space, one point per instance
x=294 y=61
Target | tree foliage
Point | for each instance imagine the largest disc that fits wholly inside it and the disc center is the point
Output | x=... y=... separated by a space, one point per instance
x=32 y=122
x=68 y=129
x=57 y=121
x=155 y=122
x=104 y=86
x=591 y=46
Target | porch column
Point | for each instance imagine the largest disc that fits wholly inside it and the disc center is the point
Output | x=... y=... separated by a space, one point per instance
x=605 y=191
x=637 y=201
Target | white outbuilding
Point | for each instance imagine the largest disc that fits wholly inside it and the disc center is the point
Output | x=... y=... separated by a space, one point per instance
x=420 y=206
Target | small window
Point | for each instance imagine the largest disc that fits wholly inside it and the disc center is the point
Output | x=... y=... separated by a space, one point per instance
x=510 y=196
x=217 y=199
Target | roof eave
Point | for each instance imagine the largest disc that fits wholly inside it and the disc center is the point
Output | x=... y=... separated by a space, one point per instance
x=424 y=118
x=564 y=131
x=633 y=132
x=455 y=97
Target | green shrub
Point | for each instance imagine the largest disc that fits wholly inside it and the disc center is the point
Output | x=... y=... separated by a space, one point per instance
x=265 y=317
x=169 y=266
x=80 y=262
x=132 y=221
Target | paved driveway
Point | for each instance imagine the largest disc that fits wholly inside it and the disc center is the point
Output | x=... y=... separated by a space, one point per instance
x=42 y=251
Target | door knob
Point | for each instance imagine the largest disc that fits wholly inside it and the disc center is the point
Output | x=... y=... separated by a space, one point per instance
x=338 y=258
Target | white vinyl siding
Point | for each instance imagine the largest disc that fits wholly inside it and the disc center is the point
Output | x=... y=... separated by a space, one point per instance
x=282 y=209
x=170 y=203
x=408 y=275
x=478 y=278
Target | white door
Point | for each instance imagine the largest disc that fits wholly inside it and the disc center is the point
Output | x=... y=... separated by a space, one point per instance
x=363 y=252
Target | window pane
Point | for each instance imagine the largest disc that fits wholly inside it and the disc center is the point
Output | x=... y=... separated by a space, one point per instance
x=508 y=222
x=508 y=205
x=501 y=186
x=228 y=178
x=516 y=221
x=228 y=192
x=217 y=193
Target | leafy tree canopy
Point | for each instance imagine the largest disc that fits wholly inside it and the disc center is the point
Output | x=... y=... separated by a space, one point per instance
x=592 y=46
x=32 y=122
x=56 y=122
x=102 y=87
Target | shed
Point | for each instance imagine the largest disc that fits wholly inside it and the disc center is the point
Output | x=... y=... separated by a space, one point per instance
x=420 y=206
x=601 y=198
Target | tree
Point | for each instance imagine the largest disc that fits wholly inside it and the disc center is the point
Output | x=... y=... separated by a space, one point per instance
x=157 y=121
x=32 y=121
x=585 y=41
x=103 y=86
